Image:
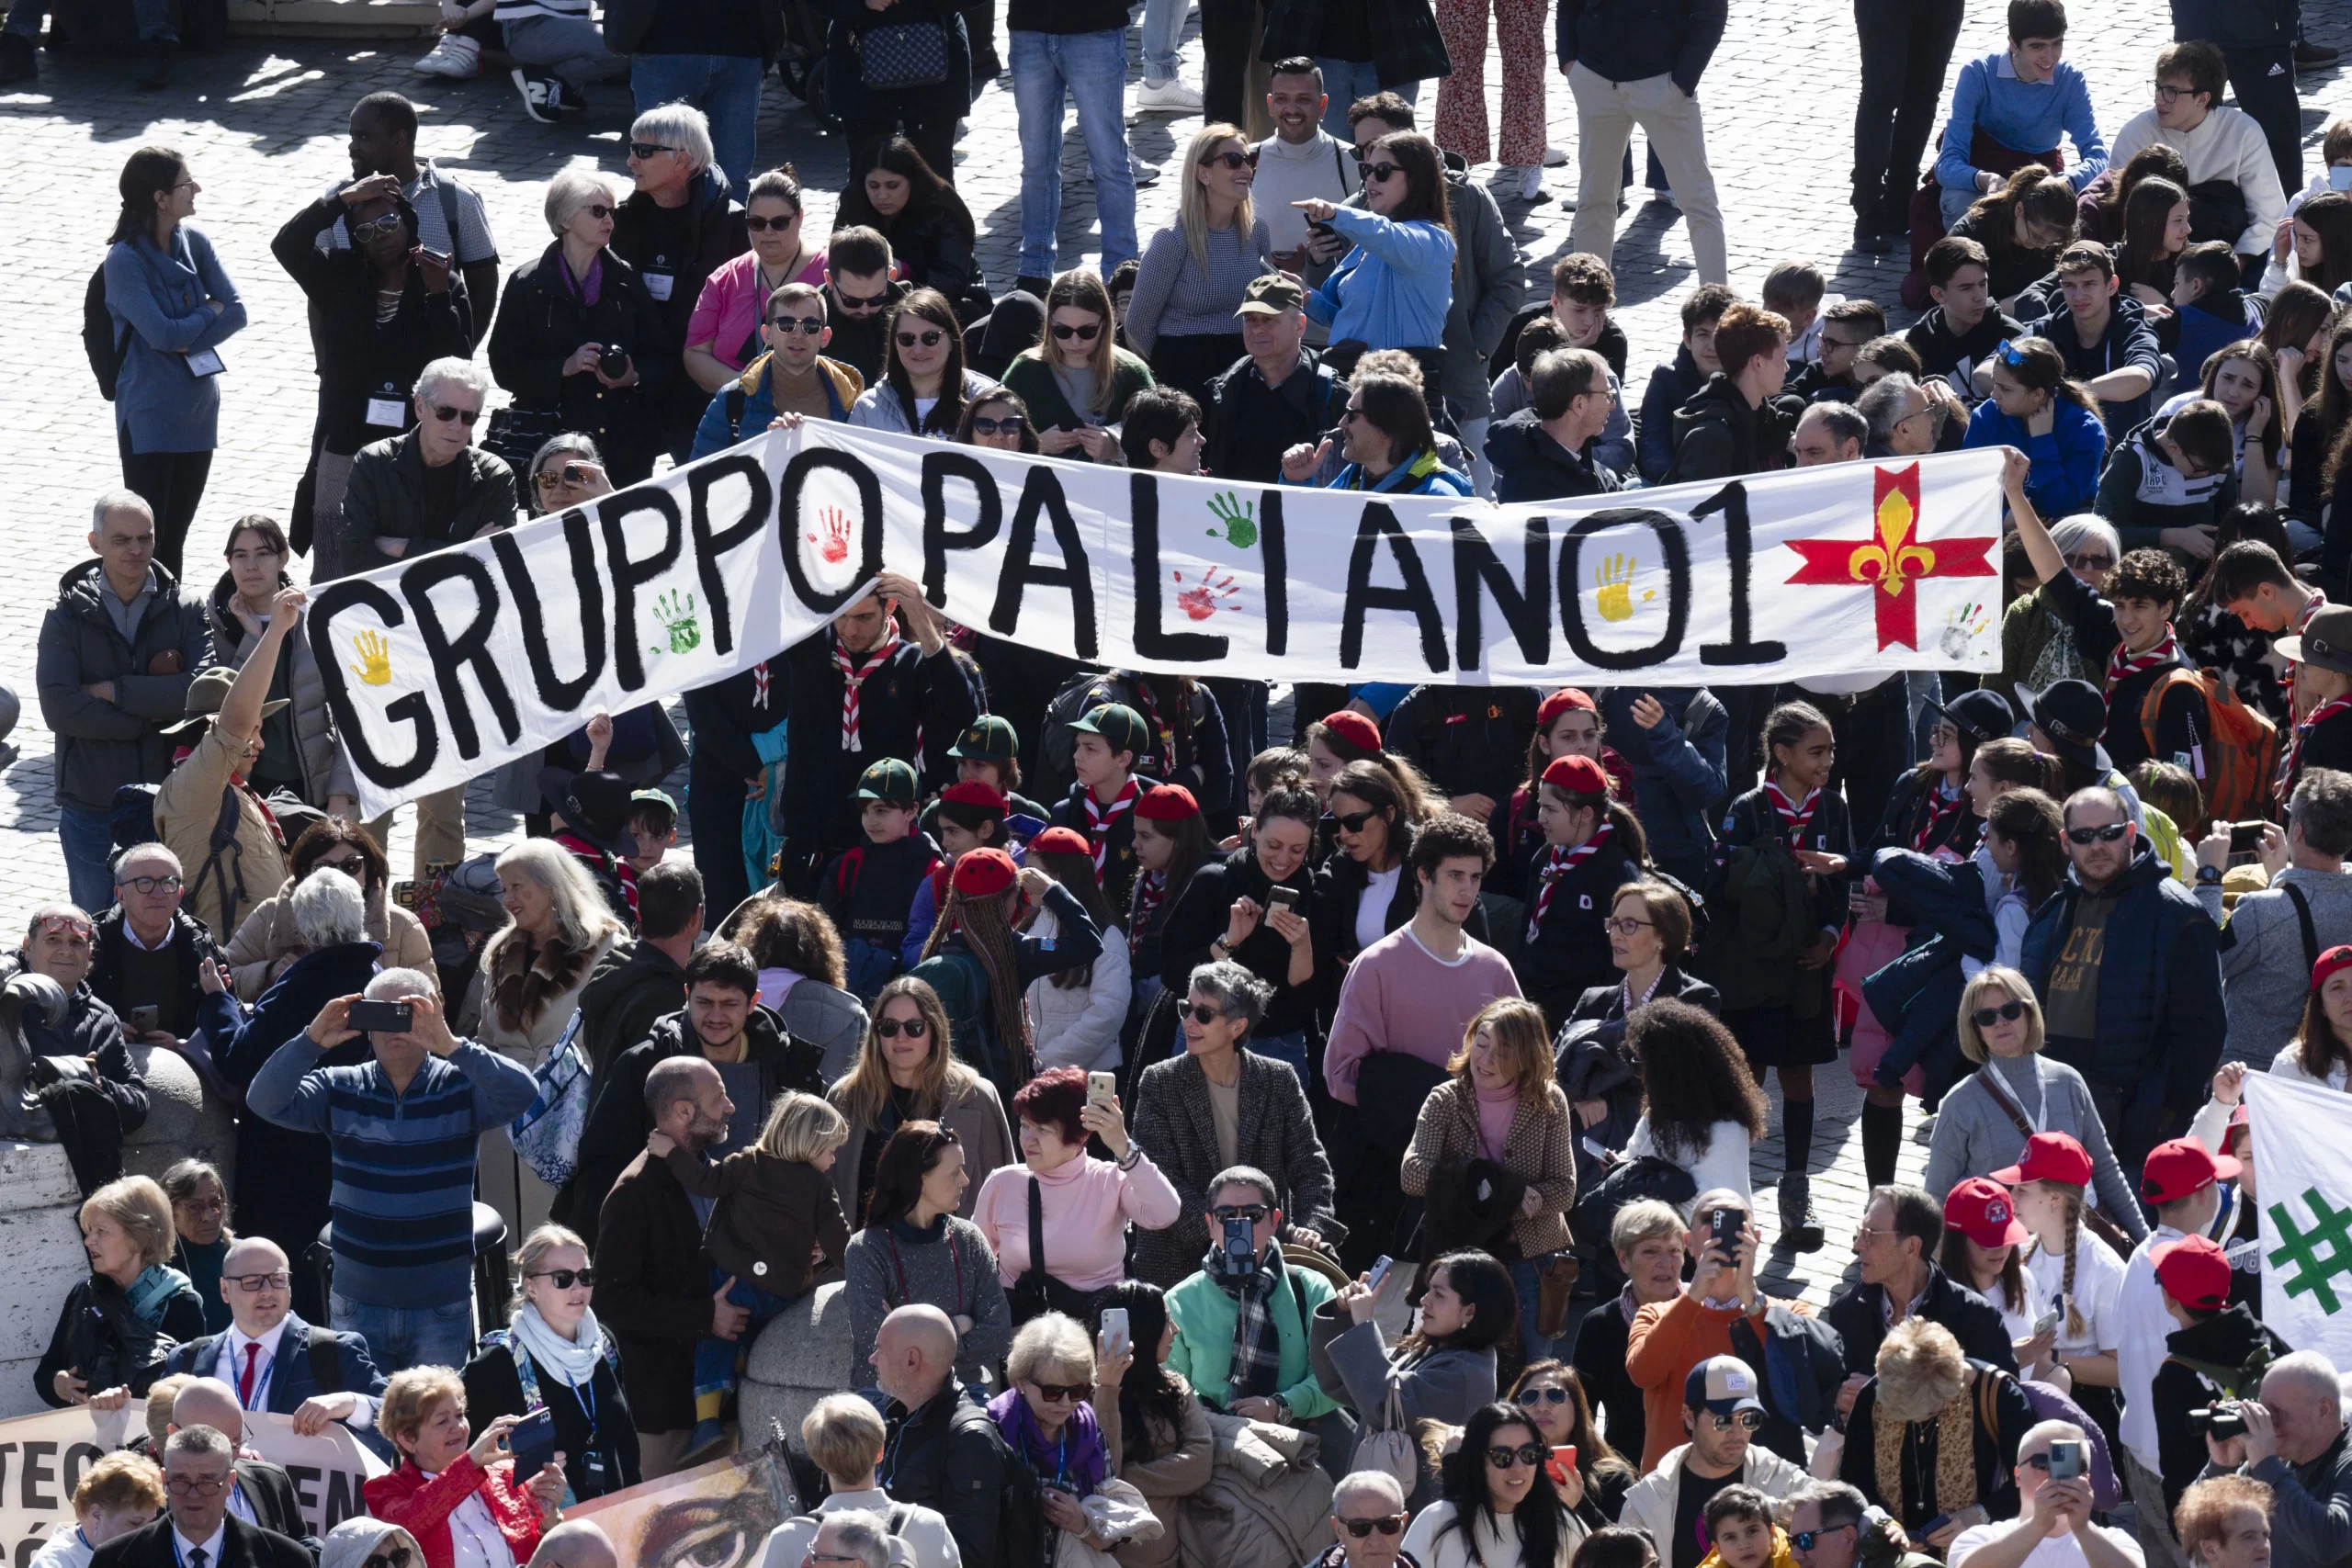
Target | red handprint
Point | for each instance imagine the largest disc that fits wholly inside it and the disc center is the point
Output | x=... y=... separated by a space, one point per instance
x=835 y=548
x=1201 y=600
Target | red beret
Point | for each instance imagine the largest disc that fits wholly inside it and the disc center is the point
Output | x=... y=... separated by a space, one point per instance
x=1355 y=729
x=974 y=792
x=1567 y=697
x=1061 y=841
x=1168 y=803
x=979 y=873
x=2334 y=959
x=1576 y=775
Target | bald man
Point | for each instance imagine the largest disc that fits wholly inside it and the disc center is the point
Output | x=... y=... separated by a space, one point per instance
x=942 y=1452
x=320 y=1376
x=577 y=1543
x=261 y=1493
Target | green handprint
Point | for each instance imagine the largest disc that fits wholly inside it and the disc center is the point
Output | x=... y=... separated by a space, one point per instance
x=675 y=611
x=1241 y=527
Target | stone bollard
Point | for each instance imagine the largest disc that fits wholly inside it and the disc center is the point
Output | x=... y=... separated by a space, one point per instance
x=798 y=1360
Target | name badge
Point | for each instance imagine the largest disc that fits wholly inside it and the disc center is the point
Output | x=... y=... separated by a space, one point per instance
x=1584 y=901
x=659 y=284
x=204 y=362
x=389 y=412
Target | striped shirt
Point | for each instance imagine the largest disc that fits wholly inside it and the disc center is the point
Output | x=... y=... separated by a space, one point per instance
x=404 y=1162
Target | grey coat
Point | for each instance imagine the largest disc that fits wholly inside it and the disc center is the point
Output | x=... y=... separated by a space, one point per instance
x=958 y=1274
x=2265 y=973
x=1440 y=1385
x=1974 y=1136
x=326 y=772
x=1172 y=1122
x=103 y=745
x=880 y=407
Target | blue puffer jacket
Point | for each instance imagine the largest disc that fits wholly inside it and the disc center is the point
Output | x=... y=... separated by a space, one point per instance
x=1917 y=997
x=1680 y=777
x=2160 y=1017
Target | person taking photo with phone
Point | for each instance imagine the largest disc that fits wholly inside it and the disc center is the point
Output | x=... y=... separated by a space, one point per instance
x=2054 y=1527
x=452 y=1485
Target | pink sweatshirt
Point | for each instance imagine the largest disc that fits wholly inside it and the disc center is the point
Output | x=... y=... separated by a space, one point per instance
x=728 y=311
x=1087 y=1205
x=1398 y=997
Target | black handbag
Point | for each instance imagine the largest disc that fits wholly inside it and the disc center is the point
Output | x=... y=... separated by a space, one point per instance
x=1036 y=1293
x=903 y=55
x=1645 y=1176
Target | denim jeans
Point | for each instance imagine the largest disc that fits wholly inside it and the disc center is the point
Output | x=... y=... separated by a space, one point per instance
x=1163 y=36
x=1291 y=1048
x=1091 y=68
x=153 y=16
x=1528 y=1286
x=715 y=1358
x=1346 y=81
x=724 y=87
x=402 y=1336
x=87 y=839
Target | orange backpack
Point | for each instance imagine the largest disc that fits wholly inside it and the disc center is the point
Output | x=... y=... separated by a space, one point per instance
x=2238 y=753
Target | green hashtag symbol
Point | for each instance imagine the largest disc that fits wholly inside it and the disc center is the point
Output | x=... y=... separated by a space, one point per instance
x=2299 y=1249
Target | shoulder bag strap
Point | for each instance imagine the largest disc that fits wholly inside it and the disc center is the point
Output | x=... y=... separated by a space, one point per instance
x=2001 y=1098
x=1037 y=1226
x=448 y=195
x=2304 y=918
x=526 y=1374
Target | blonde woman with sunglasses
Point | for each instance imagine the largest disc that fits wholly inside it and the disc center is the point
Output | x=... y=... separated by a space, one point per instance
x=1195 y=271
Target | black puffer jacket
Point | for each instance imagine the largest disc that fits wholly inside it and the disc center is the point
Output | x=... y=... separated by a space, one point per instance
x=102 y=746
x=91 y=1030
x=1531 y=465
x=1718 y=435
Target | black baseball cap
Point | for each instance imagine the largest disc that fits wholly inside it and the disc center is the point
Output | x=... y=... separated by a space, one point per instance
x=1980 y=716
x=2074 y=715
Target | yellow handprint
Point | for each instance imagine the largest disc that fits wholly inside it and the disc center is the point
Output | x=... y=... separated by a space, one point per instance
x=375 y=666
x=1612 y=583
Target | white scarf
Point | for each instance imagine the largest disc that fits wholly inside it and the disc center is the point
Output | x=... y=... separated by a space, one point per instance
x=574 y=1360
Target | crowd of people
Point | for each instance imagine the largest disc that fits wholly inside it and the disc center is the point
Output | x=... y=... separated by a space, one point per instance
x=1308 y=1125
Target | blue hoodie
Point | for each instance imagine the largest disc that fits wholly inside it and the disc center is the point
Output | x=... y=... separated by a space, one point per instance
x=2065 y=462
x=1392 y=290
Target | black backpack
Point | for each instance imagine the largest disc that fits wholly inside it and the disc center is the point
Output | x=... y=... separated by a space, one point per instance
x=99 y=339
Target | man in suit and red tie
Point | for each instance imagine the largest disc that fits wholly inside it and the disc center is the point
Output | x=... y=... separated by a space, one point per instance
x=197 y=1531
x=275 y=1361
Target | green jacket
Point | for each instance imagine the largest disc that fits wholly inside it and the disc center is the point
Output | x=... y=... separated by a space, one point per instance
x=1202 y=1315
x=1030 y=375
x=1765 y=888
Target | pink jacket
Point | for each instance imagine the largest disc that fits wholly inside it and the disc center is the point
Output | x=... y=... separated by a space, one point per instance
x=728 y=313
x=1087 y=1204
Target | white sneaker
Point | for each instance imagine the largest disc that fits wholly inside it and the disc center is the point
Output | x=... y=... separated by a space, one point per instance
x=1145 y=174
x=456 y=56
x=1555 y=157
x=1519 y=182
x=1173 y=96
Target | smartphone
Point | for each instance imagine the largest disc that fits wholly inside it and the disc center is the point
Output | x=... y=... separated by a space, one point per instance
x=438 y=258
x=2049 y=1320
x=2065 y=1460
x=1101 y=1088
x=1282 y=899
x=1114 y=1330
x=1563 y=1461
x=1595 y=1147
x=1379 y=1272
x=1240 y=1246
x=1723 y=1229
x=532 y=1442
x=1923 y=1531
x=2245 y=836
x=382 y=1018
x=146 y=1020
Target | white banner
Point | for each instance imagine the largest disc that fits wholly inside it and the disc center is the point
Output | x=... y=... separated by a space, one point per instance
x=2301 y=1132
x=42 y=1459
x=443 y=666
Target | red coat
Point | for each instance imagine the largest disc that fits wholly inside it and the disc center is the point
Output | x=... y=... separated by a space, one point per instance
x=423 y=1508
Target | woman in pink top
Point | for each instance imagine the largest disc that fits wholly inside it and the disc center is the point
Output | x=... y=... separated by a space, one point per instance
x=723 y=335
x=1086 y=1202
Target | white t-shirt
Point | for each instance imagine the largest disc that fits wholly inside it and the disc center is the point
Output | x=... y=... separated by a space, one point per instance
x=2142 y=1326
x=1372 y=907
x=2098 y=1280
x=2020 y=1321
x=2064 y=1551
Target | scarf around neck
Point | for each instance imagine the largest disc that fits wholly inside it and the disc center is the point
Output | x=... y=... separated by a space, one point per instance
x=150 y=1293
x=2122 y=666
x=1075 y=1459
x=1256 y=1368
x=574 y=1360
x=1563 y=860
x=855 y=672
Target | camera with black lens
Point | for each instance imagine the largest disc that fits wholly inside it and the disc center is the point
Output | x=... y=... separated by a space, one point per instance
x=613 y=360
x=2221 y=1422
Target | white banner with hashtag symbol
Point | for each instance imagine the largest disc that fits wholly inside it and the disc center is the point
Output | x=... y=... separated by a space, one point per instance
x=2304 y=1193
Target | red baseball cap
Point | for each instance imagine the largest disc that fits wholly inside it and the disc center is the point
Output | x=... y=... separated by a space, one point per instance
x=2183 y=1166
x=981 y=872
x=1354 y=730
x=977 y=792
x=1167 y=802
x=1548 y=712
x=1576 y=775
x=1980 y=1211
x=2334 y=959
x=2194 y=1272
x=1061 y=841
x=2049 y=1157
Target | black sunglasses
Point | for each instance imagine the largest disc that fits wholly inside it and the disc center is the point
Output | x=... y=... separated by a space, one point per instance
x=396 y=1558
x=566 y=1278
x=1804 y=1540
x=1011 y=424
x=1380 y=170
x=806 y=326
x=1751 y=1419
x=1203 y=1013
x=647 y=149
x=1984 y=1018
x=1362 y=1527
x=1528 y=1454
x=862 y=301
x=1086 y=334
x=598 y=210
x=761 y=225
x=2104 y=835
x=1253 y=1213
x=1055 y=1392
x=466 y=417
x=891 y=1028
x=1354 y=822
x=1233 y=160
x=928 y=339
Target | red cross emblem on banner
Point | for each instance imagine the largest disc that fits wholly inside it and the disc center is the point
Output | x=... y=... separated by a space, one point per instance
x=1893 y=559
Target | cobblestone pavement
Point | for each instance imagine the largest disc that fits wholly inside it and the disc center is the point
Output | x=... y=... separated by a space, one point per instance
x=262 y=124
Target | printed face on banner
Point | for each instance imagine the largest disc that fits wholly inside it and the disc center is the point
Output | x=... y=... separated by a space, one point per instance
x=715 y=1515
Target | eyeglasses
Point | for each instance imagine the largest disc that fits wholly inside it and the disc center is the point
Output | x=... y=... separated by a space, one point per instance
x=1202 y=1013
x=2085 y=562
x=566 y=1278
x=1011 y=424
x=2010 y=353
x=254 y=1284
x=570 y=476
x=1804 y=1540
x=1086 y=334
x=765 y=225
x=1865 y=1232
x=1354 y=822
x=1360 y=1529
x=644 y=150
x=363 y=232
x=2165 y=94
x=1381 y=171
x=806 y=326
x=1253 y=1213
x=861 y=302
x=1551 y=1394
x=1233 y=160
x=1528 y=1454
x=1350 y=414
x=2040 y=1461
x=153 y=884
x=598 y=210
x=349 y=865
x=1984 y=1018
x=928 y=339
x=2103 y=835
x=396 y=1558
x=466 y=417
x=891 y=1028
x=1625 y=925
x=198 y=1485
x=1750 y=1419
x=1061 y=1392
x=64 y=925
